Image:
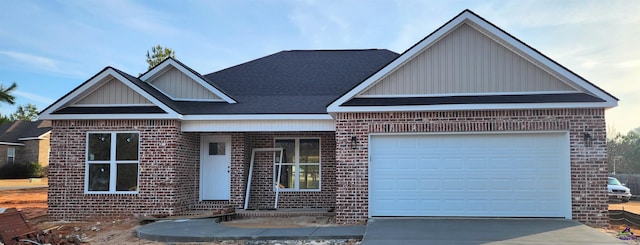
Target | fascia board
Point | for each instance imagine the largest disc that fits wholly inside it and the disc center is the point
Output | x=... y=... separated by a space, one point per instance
x=108 y=116
x=87 y=88
x=76 y=93
x=474 y=107
x=258 y=117
x=406 y=56
x=40 y=137
x=546 y=61
x=170 y=62
x=610 y=101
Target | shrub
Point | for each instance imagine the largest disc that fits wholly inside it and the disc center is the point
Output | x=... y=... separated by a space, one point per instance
x=21 y=171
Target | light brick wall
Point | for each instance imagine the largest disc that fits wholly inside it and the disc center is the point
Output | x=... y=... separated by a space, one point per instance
x=168 y=164
x=588 y=162
x=32 y=151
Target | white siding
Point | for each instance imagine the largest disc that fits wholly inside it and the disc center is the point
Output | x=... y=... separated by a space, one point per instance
x=180 y=86
x=467 y=61
x=113 y=92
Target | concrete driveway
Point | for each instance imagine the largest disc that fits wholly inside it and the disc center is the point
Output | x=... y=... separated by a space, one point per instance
x=482 y=231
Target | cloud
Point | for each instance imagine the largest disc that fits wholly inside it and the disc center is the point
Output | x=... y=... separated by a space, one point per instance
x=32 y=60
x=34 y=97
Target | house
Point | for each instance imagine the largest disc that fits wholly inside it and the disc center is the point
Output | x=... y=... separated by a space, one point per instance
x=25 y=142
x=469 y=121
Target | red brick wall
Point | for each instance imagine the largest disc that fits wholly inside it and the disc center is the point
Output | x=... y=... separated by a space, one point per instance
x=588 y=162
x=262 y=194
x=168 y=164
x=169 y=171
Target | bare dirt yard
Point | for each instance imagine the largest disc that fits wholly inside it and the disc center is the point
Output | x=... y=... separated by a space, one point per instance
x=631 y=206
x=32 y=202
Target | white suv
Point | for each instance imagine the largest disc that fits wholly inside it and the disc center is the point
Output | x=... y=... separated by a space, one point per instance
x=618 y=191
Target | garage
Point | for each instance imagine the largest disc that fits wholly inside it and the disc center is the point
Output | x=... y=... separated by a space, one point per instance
x=470 y=175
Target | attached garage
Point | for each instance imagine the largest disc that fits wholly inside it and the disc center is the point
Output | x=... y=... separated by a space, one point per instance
x=470 y=174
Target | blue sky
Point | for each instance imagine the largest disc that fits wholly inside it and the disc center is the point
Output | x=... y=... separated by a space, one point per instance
x=50 y=47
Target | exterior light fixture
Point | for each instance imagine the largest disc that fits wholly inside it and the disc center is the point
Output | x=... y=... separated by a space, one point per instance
x=587 y=139
x=354 y=142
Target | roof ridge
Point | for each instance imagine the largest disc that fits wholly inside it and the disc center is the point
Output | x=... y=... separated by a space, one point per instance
x=330 y=50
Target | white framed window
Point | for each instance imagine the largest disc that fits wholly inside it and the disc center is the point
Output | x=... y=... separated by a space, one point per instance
x=112 y=162
x=301 y=164
x=11 y=155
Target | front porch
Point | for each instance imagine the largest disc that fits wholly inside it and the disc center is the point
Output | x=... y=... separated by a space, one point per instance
x=224 y=168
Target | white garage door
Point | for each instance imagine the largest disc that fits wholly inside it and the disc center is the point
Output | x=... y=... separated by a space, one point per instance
x=477 y=175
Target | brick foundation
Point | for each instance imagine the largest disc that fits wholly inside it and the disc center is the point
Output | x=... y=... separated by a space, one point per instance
x=588 y=161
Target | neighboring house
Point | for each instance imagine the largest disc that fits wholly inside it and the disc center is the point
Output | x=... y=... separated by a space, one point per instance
x=25 y=142
x=470 y=121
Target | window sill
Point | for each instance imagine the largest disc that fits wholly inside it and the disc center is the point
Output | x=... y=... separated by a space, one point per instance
x=110 y=192
x=296 y=190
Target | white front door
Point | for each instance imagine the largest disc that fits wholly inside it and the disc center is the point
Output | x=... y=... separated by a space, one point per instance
x=215 y=168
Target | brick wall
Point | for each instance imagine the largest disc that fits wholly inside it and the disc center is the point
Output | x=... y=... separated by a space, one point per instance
x=34 y=151
x=588 y=161
x=168 y=164
x=3 y=154
x=262 y=194
x=169 y=181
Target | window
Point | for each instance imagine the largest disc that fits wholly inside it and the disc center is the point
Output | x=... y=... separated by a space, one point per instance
x=112 y=162
x=11 y=155
x=300 y=168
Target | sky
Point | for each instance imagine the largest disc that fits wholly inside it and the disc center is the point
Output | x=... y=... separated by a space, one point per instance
x=49 y=47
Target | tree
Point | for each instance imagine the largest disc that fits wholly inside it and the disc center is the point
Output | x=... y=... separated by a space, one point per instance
x=158 y=55
x=624 y=152
x=5 y=94
x=4 y=120
x=27 y=112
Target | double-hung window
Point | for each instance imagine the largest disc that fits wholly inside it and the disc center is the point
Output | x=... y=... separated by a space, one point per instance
x=112 y=162
x=300 y=168
x=11 y=155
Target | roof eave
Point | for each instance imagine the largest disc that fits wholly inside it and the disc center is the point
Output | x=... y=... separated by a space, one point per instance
x=472 y=107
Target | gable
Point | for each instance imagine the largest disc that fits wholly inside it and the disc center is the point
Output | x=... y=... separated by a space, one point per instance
x=470 y=64
x=466 y=61
x=180 y=83
x=113 y=92
x=180 y=86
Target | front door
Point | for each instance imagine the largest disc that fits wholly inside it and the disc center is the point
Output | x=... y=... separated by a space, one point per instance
x=215 y=168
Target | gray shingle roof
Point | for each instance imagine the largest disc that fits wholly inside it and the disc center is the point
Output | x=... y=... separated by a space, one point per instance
x=287 y=82
x=12 y=132
x=297 y=81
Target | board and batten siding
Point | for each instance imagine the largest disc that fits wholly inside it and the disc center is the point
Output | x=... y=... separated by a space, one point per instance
x=467 y=61
x=114 y=92
x=180 y=86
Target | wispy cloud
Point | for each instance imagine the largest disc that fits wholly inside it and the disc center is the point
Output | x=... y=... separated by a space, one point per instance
x=32 y=60
x=34 y=97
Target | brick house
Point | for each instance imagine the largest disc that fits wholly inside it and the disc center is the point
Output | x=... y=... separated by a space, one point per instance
x=25 y=142
x=470 y=121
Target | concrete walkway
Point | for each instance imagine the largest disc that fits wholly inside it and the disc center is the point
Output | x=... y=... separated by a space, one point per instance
x=393 y=231
x=483 y=231
x=207 y=230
